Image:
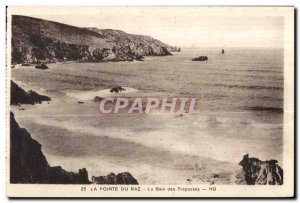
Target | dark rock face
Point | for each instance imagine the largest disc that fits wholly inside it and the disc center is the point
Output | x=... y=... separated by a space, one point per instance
x=126 y=179
x=23 y=151
x=110 y=179
x=113 y=179
x=100 y=54
x=29 y=165
x=57 y=175
x=40 y=41
x=259 y=172
x=200 y=58
x=19 y=96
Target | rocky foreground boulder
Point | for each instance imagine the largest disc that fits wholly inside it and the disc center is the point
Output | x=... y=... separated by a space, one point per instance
x=19 y=96
x=29 y=165
x=113 y=179
x=259 y=172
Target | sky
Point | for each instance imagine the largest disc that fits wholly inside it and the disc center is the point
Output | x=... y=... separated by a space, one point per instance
x=178 y=26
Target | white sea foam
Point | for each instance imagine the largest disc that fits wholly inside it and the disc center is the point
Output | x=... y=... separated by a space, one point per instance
x=89 y=95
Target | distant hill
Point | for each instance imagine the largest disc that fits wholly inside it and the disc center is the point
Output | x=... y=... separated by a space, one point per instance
x=36 y=40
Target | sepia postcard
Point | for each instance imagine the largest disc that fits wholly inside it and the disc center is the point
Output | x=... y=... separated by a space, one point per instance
x=153 y=101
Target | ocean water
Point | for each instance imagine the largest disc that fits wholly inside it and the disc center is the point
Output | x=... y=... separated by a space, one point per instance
x=240 y=95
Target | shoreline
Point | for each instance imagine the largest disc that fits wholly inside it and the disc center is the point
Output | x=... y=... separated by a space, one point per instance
x=222 y=134
x=32 y=125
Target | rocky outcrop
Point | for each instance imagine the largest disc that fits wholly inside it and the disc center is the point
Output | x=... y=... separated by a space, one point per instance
x=117 y=89
x=113 y=179
x=19 y=96
x=200 y=58
x=29 y=165
x=259 y=172
x=40 y=41
x=137 y=45
x=100 y=54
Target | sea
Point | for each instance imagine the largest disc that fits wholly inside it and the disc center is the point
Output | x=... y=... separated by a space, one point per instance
x=240 y=94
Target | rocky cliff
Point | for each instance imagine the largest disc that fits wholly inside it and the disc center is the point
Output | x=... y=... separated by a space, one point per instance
x=40 y=41
x=19 y=96
x=259 y=172
x=29 y=165
x=137 y=44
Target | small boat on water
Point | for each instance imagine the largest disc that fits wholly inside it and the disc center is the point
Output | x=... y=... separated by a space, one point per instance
x=223 y=52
